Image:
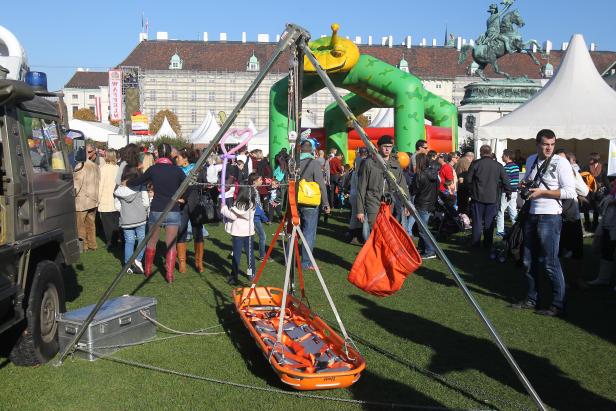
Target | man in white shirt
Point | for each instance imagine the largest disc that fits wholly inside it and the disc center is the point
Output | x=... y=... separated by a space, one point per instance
x=543 y=224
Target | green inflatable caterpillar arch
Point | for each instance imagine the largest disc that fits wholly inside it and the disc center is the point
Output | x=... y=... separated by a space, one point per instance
x=372 y=83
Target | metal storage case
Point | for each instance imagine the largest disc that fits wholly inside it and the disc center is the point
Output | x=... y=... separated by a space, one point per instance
x=118 y=322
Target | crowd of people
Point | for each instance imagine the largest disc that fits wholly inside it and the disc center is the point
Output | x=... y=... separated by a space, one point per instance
x=544 y=196
x=129 y=189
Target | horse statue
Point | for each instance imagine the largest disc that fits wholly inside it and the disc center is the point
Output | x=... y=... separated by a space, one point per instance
x=490 y=48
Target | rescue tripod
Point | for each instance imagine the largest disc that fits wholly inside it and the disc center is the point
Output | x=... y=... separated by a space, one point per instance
x=296 y=36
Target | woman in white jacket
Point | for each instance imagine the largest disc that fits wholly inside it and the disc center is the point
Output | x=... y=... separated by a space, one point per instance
x=240 y=224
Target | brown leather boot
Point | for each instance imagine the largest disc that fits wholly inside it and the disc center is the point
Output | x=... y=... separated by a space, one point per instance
x=170 y=264
x=199 y=257
x=181 y=247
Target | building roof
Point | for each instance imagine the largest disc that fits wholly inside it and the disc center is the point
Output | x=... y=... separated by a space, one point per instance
x=425 y=62
x=89 y=79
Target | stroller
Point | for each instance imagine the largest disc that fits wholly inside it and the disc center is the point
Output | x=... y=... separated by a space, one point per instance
x=448 y=220
x=513 y=241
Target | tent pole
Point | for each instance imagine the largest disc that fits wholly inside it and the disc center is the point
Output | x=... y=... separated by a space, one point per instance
x=411 y=207
x=291 y=34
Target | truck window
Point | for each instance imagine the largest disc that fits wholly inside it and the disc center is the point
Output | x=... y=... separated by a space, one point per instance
x=44 y=145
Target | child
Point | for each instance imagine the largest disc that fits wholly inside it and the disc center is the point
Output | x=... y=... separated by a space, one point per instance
x=255 y=180
x=133 y=204
x=240 y=224
x=275 y=200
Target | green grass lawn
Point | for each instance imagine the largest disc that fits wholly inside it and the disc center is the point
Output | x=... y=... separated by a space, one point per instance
x=424 y=345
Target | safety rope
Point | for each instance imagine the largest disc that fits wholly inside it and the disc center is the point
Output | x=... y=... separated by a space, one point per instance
x=171 y=330
x=262 y=389
x=324 y=286
x=198 y=333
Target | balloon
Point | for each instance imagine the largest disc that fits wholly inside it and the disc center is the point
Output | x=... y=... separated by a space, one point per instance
x=403 y=159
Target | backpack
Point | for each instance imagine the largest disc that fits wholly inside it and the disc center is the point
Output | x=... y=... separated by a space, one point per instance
x=590 y=181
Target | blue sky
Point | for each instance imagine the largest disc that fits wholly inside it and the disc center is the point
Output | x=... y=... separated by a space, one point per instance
x=63 y=35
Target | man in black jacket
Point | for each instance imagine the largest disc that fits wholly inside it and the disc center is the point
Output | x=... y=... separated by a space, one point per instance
x=487 y=180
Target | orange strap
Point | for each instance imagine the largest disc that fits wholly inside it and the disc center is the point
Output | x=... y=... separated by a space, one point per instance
x=267 y=256
x=293 y=203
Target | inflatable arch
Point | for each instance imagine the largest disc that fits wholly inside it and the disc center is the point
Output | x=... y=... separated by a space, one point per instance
x=372 y=83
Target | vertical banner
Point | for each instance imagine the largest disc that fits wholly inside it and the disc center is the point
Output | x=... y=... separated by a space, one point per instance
x=611 y=158
x=97 y=109
x=115 y=95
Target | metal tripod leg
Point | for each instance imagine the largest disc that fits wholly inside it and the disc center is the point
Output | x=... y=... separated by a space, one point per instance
x=290 y=36
x=422 y=226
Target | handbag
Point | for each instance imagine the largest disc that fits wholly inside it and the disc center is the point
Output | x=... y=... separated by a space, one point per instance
x=308 y=193
x=204 y=212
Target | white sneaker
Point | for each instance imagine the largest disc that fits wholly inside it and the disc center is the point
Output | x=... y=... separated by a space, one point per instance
x=139 y=267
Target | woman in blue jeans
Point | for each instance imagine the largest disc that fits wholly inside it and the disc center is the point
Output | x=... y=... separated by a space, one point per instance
x=133 y=204
x=425 y=188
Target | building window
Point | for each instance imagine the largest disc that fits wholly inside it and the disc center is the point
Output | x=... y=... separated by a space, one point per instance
x=75 y=108
x=193 y=96
x=92 y=109
x=438 y=85
x=75 y=96
x=232 y=96
x=211 y=96
x=152 y=95
x=91 y=97
x=193 y=115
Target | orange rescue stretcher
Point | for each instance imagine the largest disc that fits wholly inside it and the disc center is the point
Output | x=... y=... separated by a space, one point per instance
x=304 y=351
x=311 y=356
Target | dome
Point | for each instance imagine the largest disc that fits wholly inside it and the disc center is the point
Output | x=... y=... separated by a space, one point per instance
x=403 y=65
x=176 y=62
x=253 y=63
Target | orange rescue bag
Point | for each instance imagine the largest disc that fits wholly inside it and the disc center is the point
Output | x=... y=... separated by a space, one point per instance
x=387 y=257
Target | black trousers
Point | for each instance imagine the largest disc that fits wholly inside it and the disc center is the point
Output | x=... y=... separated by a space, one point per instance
x=110 y=222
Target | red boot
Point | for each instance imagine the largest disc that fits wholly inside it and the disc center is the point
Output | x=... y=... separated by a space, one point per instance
x=170 y=264
x=149 y=260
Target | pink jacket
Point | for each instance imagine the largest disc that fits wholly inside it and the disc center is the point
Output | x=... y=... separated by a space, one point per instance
x=240 y=223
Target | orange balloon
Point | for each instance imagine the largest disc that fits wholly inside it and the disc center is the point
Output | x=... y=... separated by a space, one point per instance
x=404 y=159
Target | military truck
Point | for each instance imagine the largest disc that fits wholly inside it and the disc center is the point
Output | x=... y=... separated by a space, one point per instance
x=38 y=233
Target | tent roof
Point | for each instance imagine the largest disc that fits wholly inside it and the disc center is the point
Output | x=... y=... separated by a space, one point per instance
x=576 y=104
x=165 y=130
x=93 y=129
x=206 y=131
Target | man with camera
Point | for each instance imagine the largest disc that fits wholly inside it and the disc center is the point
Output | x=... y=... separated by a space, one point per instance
x=548 y=181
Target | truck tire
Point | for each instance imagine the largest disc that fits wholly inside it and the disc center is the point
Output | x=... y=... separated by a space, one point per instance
x=38 y=343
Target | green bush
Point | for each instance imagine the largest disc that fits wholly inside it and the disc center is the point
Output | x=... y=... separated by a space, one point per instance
x=178 y=143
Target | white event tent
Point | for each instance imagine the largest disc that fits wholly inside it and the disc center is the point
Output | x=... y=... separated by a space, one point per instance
x=206 y=131
x=94 y=130
x=576 y=104
x=165 y=130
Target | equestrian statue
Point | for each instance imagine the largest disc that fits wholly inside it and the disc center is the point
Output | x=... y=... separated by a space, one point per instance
x=500 y=39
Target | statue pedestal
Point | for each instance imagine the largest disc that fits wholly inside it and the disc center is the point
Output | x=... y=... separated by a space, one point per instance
x=487 y=101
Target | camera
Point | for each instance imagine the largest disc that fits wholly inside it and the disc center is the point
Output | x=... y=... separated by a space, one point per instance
x=524 y=191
